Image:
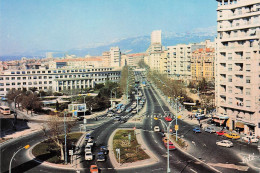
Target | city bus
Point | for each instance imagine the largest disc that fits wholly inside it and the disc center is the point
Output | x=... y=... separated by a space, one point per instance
x=5 y=110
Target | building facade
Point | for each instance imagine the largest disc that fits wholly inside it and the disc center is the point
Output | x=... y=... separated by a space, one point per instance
x=156 y=37
x=238 y=63
x=56 y=80
x=202 y=64
x=115 y=57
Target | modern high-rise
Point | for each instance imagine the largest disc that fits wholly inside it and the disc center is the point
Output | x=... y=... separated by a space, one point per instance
x=156 y=37
x=237 y=64
x=115 y=57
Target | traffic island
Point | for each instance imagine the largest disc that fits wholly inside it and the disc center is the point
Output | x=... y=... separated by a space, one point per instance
x=127 y=148
x=128 y=144
x=47 y=151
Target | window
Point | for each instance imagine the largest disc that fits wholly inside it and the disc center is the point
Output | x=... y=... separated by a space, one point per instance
x=12 y=72
x=24 y=78
x=248 y=103
x=248 y=79
x=248 y=91
x=23 y=72
x=18 y=78
x=229 y=78
x=229 y=89
x=229 y=67
x=13 y=83
x=13 y=78
x=38 y=71
x=230 y=101
x=248 y=67
x=33 y=72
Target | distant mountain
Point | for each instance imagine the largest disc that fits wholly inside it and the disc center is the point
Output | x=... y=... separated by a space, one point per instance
x=127 y=45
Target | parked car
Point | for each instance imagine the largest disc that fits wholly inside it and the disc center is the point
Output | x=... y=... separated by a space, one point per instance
x=232 y=136
x=88 y=136
x=128 y=110
x=104 y=149
x=123 y=120
x=88 y=155
x=210 y=130
x=168 y=119
x=90 y=142
x=134 y=111
x=164 y=139
x=88 y=148
x=101 y=157
x=196 y=130
x=156 y=128
x=110 y=114
x=225 y=143
x=93 y=169
x=220 y=133
x=117 y=118
x=252 y=138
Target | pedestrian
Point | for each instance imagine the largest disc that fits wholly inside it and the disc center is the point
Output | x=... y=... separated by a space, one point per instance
x=249 y=140
x=200 y=125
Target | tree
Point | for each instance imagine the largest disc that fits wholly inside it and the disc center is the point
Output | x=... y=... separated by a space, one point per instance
x=53 y=130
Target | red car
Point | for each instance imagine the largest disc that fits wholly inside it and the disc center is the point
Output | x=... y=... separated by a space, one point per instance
x=93 y=169
x=168 y=119
x=221 y=133
x=171 y=146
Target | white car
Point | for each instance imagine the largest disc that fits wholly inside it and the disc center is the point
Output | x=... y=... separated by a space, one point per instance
x=225 y=143
x=252 y=138
x=88 y=148
x=88 y=155
x=156 y=128
x=90 y=143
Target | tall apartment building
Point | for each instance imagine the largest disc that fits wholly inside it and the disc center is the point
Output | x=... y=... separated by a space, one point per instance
x=134 y=59
x=156 y=37
x=238 y=63
x=202 y=64
x=106 y=59
x=115 y=57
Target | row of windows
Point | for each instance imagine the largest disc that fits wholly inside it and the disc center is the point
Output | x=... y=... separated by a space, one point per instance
x=57 y=76
x=24 y=83
x=59 y=71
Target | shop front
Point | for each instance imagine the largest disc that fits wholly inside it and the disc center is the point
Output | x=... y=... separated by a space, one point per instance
x=220 y=120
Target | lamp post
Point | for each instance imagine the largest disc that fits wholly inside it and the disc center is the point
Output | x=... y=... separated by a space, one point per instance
x=15 y=99
x=10 y=165
x=176 y=115
x=65 y=136
x=168 y=157
x=111 y=95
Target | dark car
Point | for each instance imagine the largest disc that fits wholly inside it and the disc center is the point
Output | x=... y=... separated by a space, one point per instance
x=101 y=157
x=117 y=118
x=88 y=136
x=122 y=120
x=104 y=149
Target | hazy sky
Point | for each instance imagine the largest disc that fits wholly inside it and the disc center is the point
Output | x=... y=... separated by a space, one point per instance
x=27 y=25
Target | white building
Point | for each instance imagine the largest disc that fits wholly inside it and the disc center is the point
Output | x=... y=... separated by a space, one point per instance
x=238 y=64
x=115 y=57
x=66 y=78
x=156 y=37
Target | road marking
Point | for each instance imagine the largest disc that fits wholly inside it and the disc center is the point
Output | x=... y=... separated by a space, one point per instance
x=193 y=170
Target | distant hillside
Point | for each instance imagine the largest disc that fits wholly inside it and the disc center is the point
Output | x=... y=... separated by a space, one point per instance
x=127 y=45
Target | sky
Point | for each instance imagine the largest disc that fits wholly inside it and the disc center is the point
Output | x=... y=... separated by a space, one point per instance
x=29 y=25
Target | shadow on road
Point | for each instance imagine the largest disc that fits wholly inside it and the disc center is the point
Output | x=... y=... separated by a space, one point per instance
x=10 y=126
x=24 y=167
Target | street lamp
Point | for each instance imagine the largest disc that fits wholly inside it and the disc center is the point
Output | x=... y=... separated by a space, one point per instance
x=10 y=165
x=111 y=95
x=15 y=99
x=176 y=115
x=65 y=135
x=168 y=157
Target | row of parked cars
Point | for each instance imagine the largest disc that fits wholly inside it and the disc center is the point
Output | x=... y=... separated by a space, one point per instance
x=101 y=155
x=226 y=143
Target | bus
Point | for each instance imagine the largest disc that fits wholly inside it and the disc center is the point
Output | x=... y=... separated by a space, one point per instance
x=5 y=110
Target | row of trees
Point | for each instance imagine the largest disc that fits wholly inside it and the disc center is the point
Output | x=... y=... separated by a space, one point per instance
x=25 y=99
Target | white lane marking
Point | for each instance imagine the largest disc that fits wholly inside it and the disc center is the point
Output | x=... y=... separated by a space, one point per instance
x=193 y=170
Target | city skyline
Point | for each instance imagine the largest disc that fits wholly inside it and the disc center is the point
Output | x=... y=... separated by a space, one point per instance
x=61 y=25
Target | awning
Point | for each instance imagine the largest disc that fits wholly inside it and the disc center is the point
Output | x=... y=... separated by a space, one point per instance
x=220 y=116
x=246 y=123
x=240 y=125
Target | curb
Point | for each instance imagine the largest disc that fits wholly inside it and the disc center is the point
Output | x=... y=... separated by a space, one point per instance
x=152 y=160
x=48 y=164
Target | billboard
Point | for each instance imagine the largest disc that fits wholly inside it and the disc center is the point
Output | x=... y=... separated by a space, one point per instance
x=77 y=108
